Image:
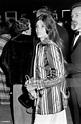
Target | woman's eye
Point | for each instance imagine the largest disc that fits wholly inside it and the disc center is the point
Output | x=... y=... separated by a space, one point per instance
x=76 y=15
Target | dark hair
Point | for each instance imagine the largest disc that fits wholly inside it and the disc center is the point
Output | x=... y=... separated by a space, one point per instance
x=44 y=10
x=24 y=24
x=19 y=26
x=4 y=28
x=14 y=29
x=77 y=4
x=51 y=29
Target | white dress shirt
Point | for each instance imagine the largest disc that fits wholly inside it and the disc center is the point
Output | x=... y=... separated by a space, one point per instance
x=76 y=38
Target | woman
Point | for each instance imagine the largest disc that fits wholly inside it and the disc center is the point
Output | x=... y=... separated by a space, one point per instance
x=48 y=84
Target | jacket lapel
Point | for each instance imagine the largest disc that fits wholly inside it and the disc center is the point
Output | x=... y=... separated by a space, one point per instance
x=77 y=42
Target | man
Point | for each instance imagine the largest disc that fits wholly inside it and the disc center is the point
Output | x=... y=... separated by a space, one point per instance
x=75 y=66
x=16 y=58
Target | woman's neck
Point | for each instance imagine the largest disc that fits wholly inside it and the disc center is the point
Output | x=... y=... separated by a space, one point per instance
x=44 y=40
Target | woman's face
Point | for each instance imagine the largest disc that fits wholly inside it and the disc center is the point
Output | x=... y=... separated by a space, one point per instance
x=41 y=30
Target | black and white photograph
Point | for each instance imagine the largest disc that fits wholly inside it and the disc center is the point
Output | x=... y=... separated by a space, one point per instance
x=40 y=62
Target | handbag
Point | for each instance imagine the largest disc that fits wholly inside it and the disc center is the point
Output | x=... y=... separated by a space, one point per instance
x=25 y=99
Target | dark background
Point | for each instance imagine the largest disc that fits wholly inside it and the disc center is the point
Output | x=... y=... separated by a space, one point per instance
x=27 y=6
x=23 y=5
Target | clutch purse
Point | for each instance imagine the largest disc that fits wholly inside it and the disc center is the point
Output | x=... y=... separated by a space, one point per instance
x=25 y=99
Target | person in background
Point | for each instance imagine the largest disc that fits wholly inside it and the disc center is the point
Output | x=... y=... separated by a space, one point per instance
x=4 y=87
x=48 y=84
x=16 y=58
x=74 y=67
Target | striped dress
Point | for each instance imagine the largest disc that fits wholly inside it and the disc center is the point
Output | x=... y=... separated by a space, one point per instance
x=49 y=66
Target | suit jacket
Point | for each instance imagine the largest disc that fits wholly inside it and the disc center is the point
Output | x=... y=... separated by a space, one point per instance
x=75 y=66
x=75 y=70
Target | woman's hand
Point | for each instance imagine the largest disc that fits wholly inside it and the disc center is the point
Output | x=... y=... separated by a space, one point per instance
x=31 y=84
x=31 y=87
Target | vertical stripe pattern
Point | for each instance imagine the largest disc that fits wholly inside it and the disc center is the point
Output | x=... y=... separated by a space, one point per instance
x=49 y=65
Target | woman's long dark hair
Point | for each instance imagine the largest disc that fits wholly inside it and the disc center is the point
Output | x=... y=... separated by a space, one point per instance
x=51 y=29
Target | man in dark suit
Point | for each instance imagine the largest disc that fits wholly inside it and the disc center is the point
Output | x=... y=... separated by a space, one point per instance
x=75 y=66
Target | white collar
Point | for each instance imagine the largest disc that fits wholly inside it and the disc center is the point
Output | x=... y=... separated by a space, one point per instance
x=79 y=33
x=76 y=38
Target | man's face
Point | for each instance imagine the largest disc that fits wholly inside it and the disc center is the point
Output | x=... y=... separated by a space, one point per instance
x=76 y=19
